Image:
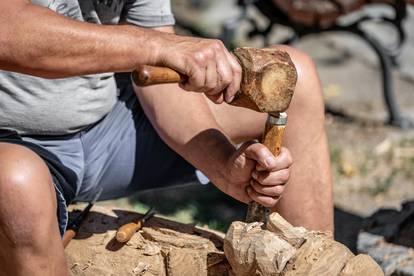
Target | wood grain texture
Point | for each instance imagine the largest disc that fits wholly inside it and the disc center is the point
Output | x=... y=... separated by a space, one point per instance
x=169 y=237
x=268 y=80
x=146 y=75
x=251 y=250
x=295 y=236
x=273 y=137
x=186 y=262
x=361 y=265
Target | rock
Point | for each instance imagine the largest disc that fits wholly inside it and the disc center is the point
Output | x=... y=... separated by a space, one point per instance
x=390 y=257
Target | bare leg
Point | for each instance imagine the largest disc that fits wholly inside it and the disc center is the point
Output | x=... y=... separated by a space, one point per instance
x=30 y=242
x=307 y=200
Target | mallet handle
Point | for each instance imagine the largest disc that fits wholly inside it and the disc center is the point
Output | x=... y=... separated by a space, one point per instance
x=272 y=139
x=146 y=75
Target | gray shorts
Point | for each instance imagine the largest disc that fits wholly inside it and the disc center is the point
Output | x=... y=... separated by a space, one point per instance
x=120 y=154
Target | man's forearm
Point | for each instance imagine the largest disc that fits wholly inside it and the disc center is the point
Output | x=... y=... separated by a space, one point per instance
x=35 y=40
x=185 y=122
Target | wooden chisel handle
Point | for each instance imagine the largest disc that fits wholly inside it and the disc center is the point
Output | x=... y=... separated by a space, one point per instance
x=67 y=237
x=126 y=231
x=146 y=75
x=272 y=139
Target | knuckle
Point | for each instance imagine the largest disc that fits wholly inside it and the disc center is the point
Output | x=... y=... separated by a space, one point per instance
x=200 y=58
x=268 y=202
x=261 y=177
x=262 y=150
x=226 y=78
x=237 y=68
x=285 y=175
x=208 y=53
x=278 y=190
x=217 y=44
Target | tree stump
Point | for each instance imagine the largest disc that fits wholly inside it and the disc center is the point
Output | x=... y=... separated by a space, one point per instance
x=168 y=248
x=162 y=247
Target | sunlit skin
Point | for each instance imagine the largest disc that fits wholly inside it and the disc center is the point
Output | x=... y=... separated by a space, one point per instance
x=29 y=238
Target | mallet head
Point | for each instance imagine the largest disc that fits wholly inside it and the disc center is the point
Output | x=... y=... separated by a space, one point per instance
x=268 y=81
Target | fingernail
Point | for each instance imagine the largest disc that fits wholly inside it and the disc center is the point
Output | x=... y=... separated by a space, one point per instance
x=228 y=98
x=254 y=175
x=270 y=161
x=248 y=189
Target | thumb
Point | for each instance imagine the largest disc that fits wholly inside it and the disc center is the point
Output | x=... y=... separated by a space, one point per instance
x=262 y=155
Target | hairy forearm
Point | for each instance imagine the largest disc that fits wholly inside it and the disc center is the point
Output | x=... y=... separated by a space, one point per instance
x=185 y=122
x=37 y=41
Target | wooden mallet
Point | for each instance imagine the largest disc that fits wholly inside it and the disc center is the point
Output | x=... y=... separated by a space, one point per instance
x=268 y=82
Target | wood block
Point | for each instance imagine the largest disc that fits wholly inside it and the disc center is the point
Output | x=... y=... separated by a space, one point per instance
x=186 y=262
x=251 y=250
x=296 y=236
x=168 y=237
x=361 y=265
x=308 y=254
x=331 y=261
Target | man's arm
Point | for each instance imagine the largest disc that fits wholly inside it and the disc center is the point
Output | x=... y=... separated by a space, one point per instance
x=185 y=122
x=35 y=40
x=38 y=41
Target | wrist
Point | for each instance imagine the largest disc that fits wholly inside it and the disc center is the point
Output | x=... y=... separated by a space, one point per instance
x=160 y=47
x=218 y=150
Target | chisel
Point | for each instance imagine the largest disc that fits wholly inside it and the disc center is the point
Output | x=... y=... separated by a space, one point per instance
x=74 y=226
x=126 y=231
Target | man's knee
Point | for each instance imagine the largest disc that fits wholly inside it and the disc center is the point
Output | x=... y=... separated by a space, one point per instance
x=303 y=62
x=308 y=94
x=26 y=193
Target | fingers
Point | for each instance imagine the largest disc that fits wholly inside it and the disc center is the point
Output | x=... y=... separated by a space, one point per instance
x=210 y=68
x=267 y=201
x=266 y=161
x=266 y=188
x=234 y=86
x=282 y=161
x=272 y=178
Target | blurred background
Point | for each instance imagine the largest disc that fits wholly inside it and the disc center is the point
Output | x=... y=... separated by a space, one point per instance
x=365 y=57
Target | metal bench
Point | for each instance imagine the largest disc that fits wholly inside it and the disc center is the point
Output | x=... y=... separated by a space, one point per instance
x=306 y=17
